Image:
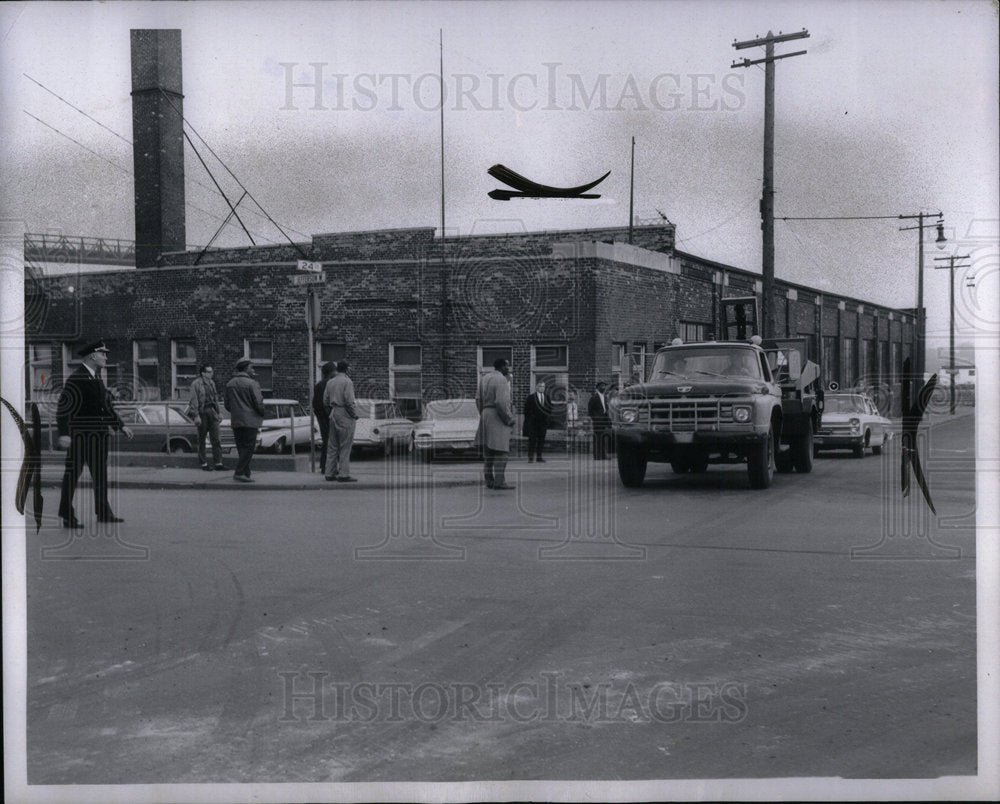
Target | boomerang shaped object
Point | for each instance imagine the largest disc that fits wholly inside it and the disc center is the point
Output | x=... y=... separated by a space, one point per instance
x=31 y=468
x=911 y=421
x=525 y=188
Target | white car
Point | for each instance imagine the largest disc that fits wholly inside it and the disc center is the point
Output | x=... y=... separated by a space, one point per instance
x=380 y=426
x=448 y=425
x=285 y=417
x=852 y=421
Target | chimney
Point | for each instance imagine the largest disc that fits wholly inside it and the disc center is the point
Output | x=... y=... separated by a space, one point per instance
x=158 y=144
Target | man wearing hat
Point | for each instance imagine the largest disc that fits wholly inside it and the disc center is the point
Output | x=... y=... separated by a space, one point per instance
x=597 y=409
x=245 y=404
x=83 y=415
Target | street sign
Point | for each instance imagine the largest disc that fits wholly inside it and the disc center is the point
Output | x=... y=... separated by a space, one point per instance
x=310 y=266
x=312 y=310
x=309 y=279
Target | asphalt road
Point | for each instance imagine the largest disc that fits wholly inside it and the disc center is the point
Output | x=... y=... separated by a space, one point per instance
x=570 y=629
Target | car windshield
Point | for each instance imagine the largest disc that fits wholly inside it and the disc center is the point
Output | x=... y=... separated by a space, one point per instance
x=843 y=404
x=155 y=415
x=718 y=361
x=444 y=409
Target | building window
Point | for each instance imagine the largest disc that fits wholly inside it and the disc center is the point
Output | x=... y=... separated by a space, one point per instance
x=637 y=370
x=40 y=361
x=261 y=353
x=619 y=363
x=849 y=361
x=329 y=353
x=550 y=364
x=70 y=361
x=487 y=354
x=405 y=385
x=691 y=332
x=896 y=362
x=145 y=369
x=830 y=369
x=183 y=367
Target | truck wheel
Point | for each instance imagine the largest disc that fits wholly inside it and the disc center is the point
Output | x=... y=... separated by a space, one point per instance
x=699 y=464
x=802 y=452
x=859 y=449
x=760 y=463
x=631 y=466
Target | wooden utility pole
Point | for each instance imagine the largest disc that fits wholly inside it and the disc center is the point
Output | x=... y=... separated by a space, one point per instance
x=767 y=199
x=951 y=332
x=631 y=194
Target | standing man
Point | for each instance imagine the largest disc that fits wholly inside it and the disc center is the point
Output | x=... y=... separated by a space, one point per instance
x=496 y=421
x=204 y=409
x=245 y=404
x=322 y=412
x=339 y=399
x=597 y=409
x=83 y=415
x=537 y=413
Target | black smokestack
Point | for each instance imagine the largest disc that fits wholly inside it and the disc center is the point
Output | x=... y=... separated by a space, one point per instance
x=158 y=144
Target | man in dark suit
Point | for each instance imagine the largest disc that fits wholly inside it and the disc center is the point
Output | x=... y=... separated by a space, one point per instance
x=537 y=413
x=597 y=409
x=83 y=415
x=322 y=412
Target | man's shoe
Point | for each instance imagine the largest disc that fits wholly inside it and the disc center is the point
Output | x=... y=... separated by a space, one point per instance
x=329 y=479
x=347 y=480
x=220 y=467
x=243 y=478
x=206 y=468
x=502 y=486
x=531 y=459
x=110 y=518
x=489 y=484
x=72 y=523
x=541 y=459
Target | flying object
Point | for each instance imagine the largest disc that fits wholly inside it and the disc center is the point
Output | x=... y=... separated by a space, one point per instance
x=525 y=188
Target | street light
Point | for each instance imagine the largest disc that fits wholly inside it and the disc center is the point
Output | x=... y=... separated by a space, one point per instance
x=939 y=242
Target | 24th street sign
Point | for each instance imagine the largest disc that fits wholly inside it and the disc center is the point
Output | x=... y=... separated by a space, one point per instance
x=309 y=279
x=310 y=266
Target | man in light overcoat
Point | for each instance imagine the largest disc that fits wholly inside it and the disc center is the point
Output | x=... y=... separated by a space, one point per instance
x=496 y=422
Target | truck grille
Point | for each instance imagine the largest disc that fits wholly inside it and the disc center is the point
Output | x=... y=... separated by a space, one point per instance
x=679 y=415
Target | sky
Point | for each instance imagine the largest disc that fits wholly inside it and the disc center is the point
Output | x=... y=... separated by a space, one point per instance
x=327 y=112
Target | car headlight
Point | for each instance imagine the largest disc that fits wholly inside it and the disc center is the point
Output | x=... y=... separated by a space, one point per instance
x=741 y=413
x=855 y=425
x=629 y=415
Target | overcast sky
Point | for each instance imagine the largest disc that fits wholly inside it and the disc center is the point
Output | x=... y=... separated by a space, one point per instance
x=893 y=110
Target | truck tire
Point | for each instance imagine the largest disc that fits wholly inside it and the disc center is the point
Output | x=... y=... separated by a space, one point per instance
x=760 y=463
x=802 y=452
x=680 y=466
x=631 y=466
x=699 y=464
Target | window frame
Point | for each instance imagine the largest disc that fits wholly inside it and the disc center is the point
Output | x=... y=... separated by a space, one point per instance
x=260 y=363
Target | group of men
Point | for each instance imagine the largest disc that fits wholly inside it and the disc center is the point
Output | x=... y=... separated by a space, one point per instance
x=85 y=417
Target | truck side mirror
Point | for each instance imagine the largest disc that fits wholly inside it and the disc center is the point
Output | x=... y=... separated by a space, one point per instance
x=794 y=365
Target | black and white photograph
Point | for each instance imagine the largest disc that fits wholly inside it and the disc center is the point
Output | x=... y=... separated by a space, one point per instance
x=500 y=400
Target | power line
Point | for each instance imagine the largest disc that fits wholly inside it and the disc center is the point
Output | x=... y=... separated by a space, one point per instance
x=846 y=218
x=39 y=83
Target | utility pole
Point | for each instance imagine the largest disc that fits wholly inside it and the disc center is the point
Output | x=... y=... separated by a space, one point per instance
x=767 y=199
x=921 y=318
x=951 y=333
x=631 y=194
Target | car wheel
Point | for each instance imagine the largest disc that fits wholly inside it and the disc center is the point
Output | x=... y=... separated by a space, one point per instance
x=179 y=447
x=631 y=466
x=279 y=446
x=760 y=463
x=859 y=449
x=680 y=466
x=802 y=452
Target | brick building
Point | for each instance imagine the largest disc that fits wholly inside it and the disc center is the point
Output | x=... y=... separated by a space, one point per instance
x=419 y=318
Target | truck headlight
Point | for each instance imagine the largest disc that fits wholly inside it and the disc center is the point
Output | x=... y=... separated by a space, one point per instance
x=741 y=413
x=855 y=426
x=628 y=415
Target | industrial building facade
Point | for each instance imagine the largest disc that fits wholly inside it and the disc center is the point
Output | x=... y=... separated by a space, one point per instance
x=419 y=318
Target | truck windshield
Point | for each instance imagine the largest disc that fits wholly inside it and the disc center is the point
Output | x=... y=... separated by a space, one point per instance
x=721 y=361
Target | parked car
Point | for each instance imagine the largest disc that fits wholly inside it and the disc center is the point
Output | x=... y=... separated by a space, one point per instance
x=150 y=431
x=380 y=426
x=448 y=425
x=284 y=417
x=852 y=421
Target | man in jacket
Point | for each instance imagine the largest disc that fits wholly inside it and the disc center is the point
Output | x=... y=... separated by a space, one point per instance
x=204 y=409
x=245 y=404
x=321 y=411
x=339 y=398
x=537 y=412
x=496 y=421
x=83 y=415
x=597 y=409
